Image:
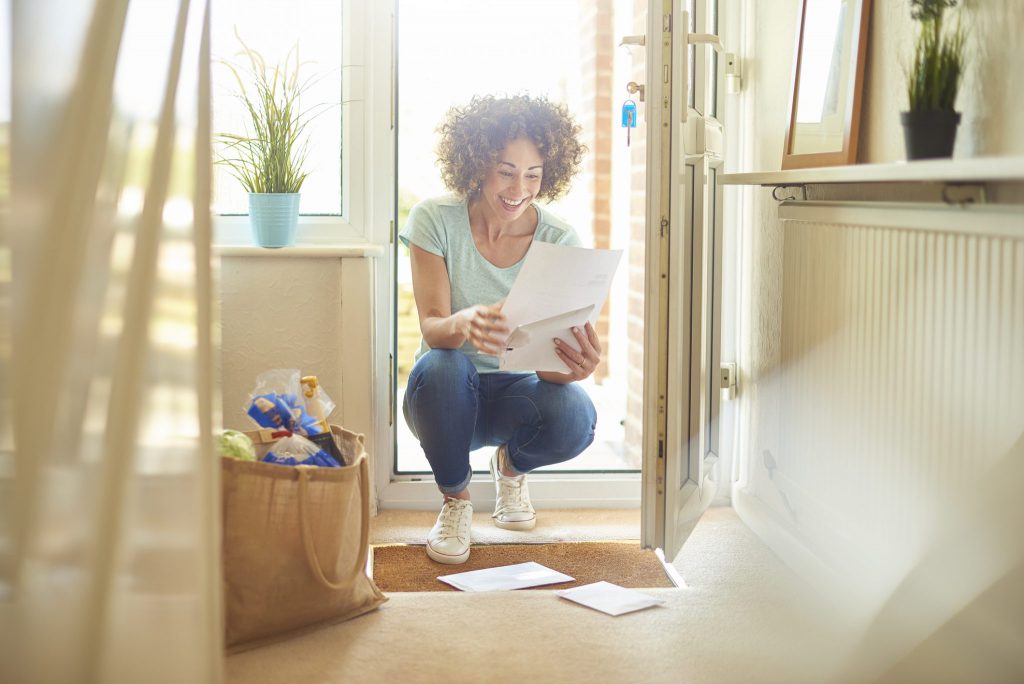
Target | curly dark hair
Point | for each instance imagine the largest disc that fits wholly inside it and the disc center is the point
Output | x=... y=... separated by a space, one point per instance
x=473 y=136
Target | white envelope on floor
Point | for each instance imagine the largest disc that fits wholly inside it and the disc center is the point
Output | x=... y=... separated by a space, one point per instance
x=609 y=598
x=519 y=576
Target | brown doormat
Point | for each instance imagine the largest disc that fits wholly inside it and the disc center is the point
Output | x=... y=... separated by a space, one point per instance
x=403 y=567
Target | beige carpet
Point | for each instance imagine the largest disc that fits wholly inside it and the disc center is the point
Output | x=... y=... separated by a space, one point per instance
x=411 y=527
x=403 y=567
x=743 y=617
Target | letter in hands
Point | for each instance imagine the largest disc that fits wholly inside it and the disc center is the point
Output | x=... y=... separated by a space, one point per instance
x=486 y=328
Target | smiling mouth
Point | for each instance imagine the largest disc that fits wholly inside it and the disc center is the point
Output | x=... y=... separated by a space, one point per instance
x=512 y=204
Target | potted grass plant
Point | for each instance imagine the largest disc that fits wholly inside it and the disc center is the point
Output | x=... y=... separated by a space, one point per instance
x=268 y=158
x=933 y=81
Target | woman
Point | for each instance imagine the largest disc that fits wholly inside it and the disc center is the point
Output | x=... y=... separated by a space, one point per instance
x=497 y=155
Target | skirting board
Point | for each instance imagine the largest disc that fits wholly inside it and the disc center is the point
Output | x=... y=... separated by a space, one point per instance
x=793 y=551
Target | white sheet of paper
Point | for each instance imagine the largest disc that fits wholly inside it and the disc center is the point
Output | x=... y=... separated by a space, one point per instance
x=557 y=288
x=609 y=598
x=505 y=577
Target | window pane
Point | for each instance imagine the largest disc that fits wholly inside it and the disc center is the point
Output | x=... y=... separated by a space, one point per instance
x=691 y=96
x=713 y=75
x=714 y=316
x=272 y=28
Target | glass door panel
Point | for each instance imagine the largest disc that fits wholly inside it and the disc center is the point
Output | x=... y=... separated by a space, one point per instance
x=567 y=51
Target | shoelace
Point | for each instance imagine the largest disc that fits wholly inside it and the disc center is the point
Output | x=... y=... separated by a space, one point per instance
x=513 y=497
x=453 y=520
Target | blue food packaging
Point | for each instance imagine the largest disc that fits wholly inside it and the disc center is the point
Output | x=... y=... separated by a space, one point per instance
x=301 y=420
x=320 y=459
x=308 y=424
x=271 y=411
x=294 y=449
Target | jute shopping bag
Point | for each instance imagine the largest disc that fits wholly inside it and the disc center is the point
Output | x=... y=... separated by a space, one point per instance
x=295 y=544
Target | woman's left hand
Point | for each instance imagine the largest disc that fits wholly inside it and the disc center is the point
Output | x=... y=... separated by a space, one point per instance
x=582 y=363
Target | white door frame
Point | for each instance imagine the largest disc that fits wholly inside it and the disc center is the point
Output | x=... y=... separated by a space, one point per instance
x=418 y=492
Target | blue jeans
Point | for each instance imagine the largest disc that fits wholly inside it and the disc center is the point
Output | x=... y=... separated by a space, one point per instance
x=452 y=409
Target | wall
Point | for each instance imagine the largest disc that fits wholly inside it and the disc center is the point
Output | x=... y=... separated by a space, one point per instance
x=597 y=58
x=309 y=313
x=881 y=368
x=634 y=262
x=990 y=100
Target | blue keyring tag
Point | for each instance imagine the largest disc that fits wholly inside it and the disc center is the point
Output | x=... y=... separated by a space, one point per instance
x=629 y=114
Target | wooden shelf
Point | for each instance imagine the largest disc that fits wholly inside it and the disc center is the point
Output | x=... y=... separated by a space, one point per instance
x=978 y=169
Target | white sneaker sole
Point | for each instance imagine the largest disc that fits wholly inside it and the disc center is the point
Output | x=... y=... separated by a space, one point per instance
x=447 y=559
x=516 y=524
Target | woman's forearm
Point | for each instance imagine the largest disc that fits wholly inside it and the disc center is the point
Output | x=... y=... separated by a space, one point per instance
x=444 y=332
x=482 y=326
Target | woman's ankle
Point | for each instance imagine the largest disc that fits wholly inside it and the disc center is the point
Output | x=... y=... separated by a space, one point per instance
x=504 y=467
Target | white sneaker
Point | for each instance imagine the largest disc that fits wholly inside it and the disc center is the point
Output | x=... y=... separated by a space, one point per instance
x=448 y=541
x=512 y=507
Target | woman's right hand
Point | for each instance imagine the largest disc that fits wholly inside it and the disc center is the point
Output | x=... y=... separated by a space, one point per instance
x=484 y=327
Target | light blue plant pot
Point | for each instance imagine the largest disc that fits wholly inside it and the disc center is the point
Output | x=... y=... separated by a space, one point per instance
x=274 y=217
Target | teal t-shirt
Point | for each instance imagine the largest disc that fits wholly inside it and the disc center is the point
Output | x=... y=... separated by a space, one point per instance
x=440 y=226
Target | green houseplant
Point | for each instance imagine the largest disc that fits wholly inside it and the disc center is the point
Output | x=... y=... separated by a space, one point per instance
x=269 y=157
x=933 y=81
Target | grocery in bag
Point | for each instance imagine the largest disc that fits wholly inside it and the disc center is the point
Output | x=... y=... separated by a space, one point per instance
x=284 y=400
x=292 y=450
x=296 y=408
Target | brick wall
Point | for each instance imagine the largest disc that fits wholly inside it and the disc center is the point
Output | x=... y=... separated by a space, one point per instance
x=597 y=45
x=635 y=332
x=602 y=97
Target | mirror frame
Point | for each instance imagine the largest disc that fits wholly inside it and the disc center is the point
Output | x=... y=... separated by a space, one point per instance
x=855 y=85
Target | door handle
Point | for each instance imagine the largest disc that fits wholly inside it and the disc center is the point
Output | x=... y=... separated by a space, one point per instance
x=733 y=81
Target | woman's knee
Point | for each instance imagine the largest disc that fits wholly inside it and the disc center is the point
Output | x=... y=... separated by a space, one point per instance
x=443 y=364
x=442 y=387
x=570 y=414
x=569 y=399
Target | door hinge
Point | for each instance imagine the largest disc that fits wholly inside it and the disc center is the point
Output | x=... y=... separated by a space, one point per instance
x=391 y=232
x=661 y=448
x=391 y=390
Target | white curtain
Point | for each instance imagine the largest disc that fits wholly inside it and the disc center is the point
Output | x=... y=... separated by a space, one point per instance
x=108 y=540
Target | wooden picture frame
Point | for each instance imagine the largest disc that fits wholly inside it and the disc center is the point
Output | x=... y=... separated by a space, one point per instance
x=828 y=80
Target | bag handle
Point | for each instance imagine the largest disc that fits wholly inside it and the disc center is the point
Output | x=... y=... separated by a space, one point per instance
x=364 y=533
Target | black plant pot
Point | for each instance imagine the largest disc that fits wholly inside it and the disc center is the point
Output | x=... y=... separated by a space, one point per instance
x=929 y=133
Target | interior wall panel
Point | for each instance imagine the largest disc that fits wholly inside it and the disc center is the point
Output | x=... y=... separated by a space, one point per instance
x=897 y=383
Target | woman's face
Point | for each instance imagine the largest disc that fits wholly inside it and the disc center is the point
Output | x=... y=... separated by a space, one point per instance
x=514 y=180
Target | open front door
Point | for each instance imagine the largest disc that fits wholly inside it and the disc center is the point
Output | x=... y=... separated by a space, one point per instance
x=683 y=270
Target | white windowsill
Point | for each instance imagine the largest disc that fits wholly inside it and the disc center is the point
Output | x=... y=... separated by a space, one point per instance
x=302 y=251
x=331 y=237
x=977 y=169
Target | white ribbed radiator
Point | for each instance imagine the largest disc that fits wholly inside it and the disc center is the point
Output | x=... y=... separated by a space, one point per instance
x=900 y=373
